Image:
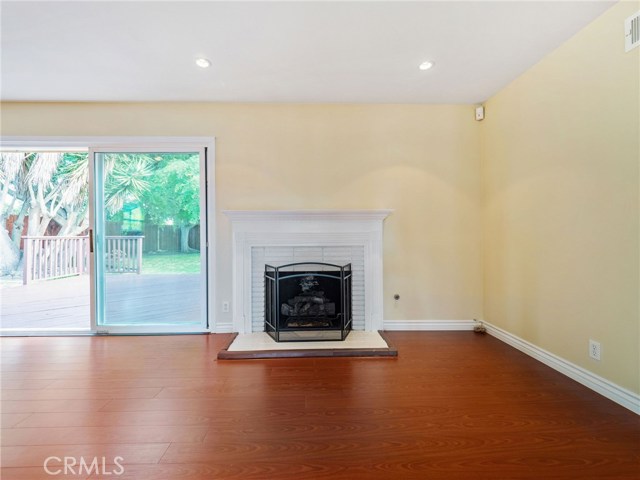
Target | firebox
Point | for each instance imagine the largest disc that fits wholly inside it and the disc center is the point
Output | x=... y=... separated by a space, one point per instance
x=308 y=302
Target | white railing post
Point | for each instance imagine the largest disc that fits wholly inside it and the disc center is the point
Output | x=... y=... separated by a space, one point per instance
x=139 y=253
x=36 y=259
x=26 y=261
x=79 y=256
x=55 y=251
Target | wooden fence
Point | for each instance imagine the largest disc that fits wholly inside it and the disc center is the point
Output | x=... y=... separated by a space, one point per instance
x=46 y=258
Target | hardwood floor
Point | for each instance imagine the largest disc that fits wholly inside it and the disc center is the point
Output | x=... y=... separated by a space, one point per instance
x=452 y=405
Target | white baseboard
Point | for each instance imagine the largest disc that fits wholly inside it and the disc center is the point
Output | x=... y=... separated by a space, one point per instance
x=610 y=390
x=428 y=325
x=604 y=387
x=222 y=327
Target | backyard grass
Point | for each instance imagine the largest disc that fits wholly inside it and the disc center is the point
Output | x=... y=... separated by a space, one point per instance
x=171 y=263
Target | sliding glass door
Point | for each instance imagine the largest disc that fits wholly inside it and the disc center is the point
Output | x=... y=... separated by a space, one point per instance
x=44 y=243
x=149 y=240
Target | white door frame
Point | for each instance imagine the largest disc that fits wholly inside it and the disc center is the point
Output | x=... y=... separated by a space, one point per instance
x=206 y=145
x=98 y=280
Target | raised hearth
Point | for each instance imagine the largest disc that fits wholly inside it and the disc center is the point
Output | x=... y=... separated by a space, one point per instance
x=261 y=345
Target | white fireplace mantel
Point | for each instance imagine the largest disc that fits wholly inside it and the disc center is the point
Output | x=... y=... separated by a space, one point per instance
x=296 y=228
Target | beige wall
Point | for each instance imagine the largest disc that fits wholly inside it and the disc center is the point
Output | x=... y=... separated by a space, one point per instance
x=560 y=204
x=422 y=161
x=561 y=213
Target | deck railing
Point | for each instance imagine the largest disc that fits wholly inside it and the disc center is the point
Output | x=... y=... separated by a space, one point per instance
x=123 y=254
x=46 y=258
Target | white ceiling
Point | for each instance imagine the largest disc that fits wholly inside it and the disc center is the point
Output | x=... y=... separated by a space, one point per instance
x=277 y=51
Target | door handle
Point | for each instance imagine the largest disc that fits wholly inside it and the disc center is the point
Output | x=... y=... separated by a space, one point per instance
x=91 y=240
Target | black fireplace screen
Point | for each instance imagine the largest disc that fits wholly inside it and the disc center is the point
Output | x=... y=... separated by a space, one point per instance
x=307 y=301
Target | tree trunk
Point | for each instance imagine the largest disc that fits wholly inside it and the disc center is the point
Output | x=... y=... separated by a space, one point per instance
x=34 y=221
x=44 y=223
x=184 y=238
x=74 y=224
x=68 y=224
x=38 y=221
x=9 y=253
x=18 y=225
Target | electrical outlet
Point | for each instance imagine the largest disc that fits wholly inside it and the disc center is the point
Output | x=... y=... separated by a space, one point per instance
x=594 y=349
x=225 y=307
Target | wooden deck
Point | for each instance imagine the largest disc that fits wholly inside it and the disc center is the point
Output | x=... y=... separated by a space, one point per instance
x=64 y=303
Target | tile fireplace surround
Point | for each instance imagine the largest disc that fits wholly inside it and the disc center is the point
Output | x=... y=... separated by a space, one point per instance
x=321 y=231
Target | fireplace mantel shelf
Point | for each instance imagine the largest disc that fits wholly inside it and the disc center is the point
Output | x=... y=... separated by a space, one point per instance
x=294 y=215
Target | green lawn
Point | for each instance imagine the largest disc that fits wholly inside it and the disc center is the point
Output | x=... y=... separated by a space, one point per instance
x=171 y=263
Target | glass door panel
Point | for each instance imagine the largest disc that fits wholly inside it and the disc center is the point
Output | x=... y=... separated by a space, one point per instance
x=149 y=241
x=44 y=242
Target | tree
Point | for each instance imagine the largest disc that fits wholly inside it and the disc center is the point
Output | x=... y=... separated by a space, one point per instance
x=74 y=176
x=33 y=185
x=174 y=195
x=12 y=173
x=127 y=178
x=44 y=186
x=48 y=186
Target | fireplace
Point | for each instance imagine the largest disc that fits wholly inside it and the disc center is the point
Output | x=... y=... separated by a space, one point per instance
x=279 y=237
x=308 y=301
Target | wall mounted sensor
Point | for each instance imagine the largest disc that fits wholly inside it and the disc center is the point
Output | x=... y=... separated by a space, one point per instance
x=480 y=113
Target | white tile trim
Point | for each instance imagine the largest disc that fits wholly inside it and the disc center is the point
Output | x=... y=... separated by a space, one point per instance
x=299 y=228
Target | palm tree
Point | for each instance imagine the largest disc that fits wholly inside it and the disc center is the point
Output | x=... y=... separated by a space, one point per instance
x=74 y=179
x=126 y=179
x=13 y=174
x=13 y=171
x=47 y=186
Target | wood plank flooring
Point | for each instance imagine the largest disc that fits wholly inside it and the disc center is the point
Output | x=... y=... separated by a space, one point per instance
x=453 y=405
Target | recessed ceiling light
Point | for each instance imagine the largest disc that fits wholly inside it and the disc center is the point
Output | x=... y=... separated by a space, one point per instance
x=203 y=63
x=426 y=65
